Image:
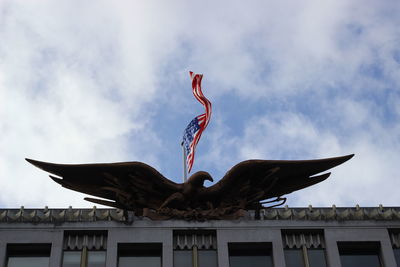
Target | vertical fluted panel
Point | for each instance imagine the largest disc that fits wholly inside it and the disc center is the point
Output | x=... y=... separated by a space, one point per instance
x=395 y=238
x=308 y=239
x=201 y=240
x=74 y=241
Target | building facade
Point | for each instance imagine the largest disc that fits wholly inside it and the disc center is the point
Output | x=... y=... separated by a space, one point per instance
x=277 y=237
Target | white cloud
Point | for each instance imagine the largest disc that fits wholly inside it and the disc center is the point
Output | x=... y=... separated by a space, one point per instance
x=79 y=82
x=367 y=179
x=63 y=99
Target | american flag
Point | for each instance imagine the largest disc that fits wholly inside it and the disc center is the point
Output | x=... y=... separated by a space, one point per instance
x=193 y=131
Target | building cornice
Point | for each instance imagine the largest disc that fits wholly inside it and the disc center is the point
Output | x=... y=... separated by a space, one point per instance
x=310 y=213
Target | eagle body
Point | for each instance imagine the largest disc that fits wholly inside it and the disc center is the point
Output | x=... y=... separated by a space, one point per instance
x=138 y=187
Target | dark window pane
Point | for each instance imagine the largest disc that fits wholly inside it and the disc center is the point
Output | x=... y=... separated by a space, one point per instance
x=316 y=257
x=139 y=254
x=183 y=258
x=253 y=261
x=32 y=255
x=96 y=259
x=207 y=258
x=250 y=254
x=28 y=262
x=363 y=254
x=397 y=255
x=294 y=257
x=72 y=259
x=360 y=260
x=139 y=262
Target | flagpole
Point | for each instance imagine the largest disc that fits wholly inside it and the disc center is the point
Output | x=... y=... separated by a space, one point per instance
x=184 y=163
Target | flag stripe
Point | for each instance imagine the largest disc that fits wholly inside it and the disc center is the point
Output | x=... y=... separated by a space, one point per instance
x=196 y=127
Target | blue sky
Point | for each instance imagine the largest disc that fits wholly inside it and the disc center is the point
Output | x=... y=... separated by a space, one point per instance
x=96 y=81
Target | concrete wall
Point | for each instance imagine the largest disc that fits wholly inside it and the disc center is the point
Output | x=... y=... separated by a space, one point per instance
x=141 y=231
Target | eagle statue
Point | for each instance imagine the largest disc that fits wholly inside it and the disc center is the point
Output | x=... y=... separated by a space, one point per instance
x=138 y=187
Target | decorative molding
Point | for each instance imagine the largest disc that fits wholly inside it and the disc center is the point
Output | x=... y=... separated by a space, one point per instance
x=310 y=213
x=92 y=241
x=307 y=239
x=332 y=214
x=189 y=240
x=47 y=215
x=395 y=238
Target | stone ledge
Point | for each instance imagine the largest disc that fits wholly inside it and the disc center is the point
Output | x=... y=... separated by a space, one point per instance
x=309 y=213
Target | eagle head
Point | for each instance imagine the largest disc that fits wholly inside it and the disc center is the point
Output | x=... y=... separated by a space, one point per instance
x=197 y=179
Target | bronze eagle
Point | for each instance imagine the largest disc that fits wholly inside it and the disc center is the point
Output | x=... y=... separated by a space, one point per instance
x=139 y=187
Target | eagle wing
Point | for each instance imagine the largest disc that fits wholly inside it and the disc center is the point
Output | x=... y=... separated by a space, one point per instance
x=127 y=185
x=252 y=181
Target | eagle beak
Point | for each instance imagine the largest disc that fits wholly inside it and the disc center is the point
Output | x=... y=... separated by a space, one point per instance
x=209 y=178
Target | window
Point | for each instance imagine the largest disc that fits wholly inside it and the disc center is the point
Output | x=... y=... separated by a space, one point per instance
x=364 y=254
x=85 y=249
x=395 y=238
x=396 y=252
x=29 y=255
x=304 y=248
x=139 y=254
x=250 y=254
x=197 y=249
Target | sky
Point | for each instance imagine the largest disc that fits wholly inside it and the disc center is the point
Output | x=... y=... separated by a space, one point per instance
x=107 y=81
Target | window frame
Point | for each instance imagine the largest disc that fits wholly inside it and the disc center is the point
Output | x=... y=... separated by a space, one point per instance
x=249 y=249
x=84 y=251
x=139 y=249
x=302 y=242
x=360 y=248
x=25 y=250
x=196 y=247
